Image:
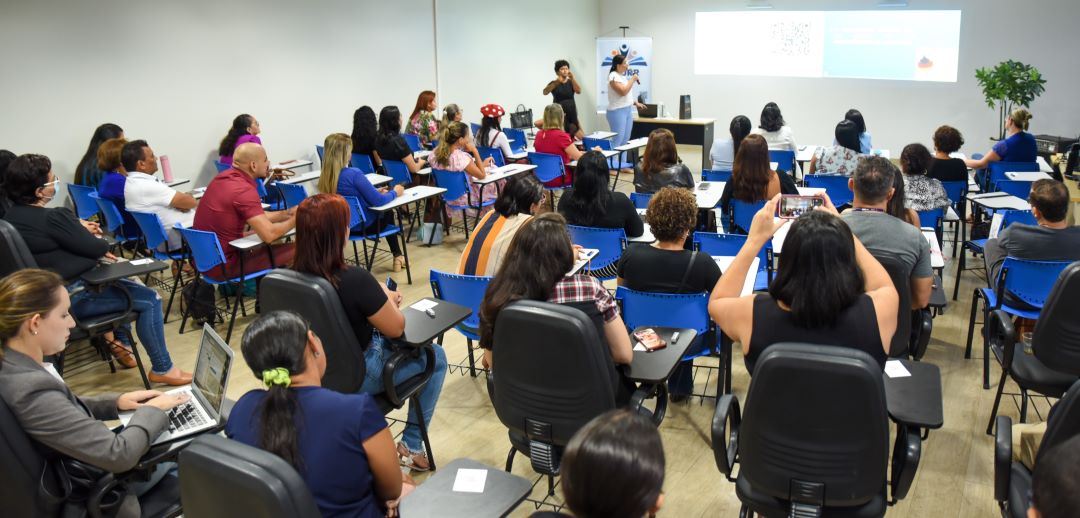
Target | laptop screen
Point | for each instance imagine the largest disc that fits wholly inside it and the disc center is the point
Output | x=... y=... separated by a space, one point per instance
x=212 y=369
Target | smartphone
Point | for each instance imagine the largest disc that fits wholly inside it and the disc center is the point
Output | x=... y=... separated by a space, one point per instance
x=649 y=339
x=792 y=205
x=390 y=284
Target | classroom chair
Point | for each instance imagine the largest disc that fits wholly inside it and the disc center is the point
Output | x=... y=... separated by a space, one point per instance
x=836 y=186
x=114 y=222
x=641 y=199
x=519 y=142
x=957 y=192
x=995 y=172
x=933 y=218
x=85 y=206
x=156 y=236
x=319 y=151
x=742 y=214
x=495 y=153
x=457 y=186
x=609 y=241
x=358 y=222
x=716 y=244
x=221 y=166
x=548 y=167
x=413 y=141
x=468 y=291
x=292 y=194
x=715 y=175
x=362 y=162
x=976 y=246
x=1019 y=188
x=785 y=160
x=397 y=170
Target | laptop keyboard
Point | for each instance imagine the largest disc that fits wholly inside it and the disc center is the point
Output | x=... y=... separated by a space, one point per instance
x=184 y=417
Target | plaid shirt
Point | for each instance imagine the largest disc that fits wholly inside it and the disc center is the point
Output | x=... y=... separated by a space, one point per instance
x=583 y=288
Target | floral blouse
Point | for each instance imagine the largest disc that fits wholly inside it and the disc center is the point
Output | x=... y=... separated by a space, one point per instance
x=836 y=160
x=425 y=126
x=924 y=193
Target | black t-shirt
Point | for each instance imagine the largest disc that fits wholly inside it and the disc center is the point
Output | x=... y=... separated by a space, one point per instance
x=361 y=296
x=392 y=147
x=951 y=170
x=363 y=145
x=57 y=240
x=619 y=213
x=650 y=269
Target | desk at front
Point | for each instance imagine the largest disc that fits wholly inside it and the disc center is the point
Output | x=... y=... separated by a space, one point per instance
x=694 y=132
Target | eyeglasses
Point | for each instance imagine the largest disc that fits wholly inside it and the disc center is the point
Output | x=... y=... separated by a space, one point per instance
x=55 y=183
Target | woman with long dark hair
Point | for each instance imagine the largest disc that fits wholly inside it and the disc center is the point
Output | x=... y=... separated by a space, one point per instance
x=87 y=172
x=322 y=223
x=519 y=199
x=491 y=134
x=244 y=129
x=898 y=204
x=422 y=121
x=828 y=289
x=775 y=130
x=922 y=192
x=390 y=145
x=856 y=117
x=752 y=178
x=339 y=443
x=592 y=204
x=661 y=167
x=562 y=90
x=841 y=158
x=723 y=151
x=364 y=131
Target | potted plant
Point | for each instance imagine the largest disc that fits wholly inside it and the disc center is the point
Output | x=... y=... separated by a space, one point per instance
x=1007 y=85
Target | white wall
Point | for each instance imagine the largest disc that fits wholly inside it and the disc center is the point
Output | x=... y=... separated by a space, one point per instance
x=1041 y=33
x=495 y=51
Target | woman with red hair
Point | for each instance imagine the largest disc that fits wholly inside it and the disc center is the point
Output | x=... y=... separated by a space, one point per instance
x=422 y=121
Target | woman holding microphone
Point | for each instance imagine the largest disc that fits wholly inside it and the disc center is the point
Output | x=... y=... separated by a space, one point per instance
x=620 y=114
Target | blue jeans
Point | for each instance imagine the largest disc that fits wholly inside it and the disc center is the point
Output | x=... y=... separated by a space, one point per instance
x=621 y=121
x=375 y=358
x=145 y=302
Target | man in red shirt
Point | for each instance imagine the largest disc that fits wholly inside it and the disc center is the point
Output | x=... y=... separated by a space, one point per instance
x=231 y=202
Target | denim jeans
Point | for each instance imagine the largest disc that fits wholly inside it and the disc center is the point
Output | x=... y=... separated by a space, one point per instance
x=375 y=358
x=145 y=302
x=621 y=121
x=681 y=382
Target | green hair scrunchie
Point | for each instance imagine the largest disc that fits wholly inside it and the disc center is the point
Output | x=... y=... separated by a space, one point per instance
x=276 y=376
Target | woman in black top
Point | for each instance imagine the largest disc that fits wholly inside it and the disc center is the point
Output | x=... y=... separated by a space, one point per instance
x=390 y=145
x=87 y=172
x=364 y=131
x=562 y=90
x=661 y=167
x=828 y=289
x=60 y=243
x=591 y=204
x=944 y=168
x=667 y=267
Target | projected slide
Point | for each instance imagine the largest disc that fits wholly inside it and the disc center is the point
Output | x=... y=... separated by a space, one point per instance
x=899 y=45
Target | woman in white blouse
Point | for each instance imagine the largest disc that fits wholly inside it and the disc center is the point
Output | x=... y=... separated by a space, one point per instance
x=776 y=132
x=620 y=114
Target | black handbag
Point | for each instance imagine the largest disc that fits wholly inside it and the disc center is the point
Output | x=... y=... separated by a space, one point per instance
x=521 y=117
x=67 y=486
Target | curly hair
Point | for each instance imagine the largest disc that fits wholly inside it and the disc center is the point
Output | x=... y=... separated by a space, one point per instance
x=672 y=213
x=948 y=139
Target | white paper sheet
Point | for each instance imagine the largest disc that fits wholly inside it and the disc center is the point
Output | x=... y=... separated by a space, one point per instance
x=424 y=305
x=895 y=369
x=470 y=480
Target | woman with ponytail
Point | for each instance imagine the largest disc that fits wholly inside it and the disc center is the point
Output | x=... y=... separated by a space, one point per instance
x=244 y=129
x=339 y=443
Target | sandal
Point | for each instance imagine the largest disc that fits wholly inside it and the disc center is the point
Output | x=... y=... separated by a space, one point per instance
x=399 y=263
x=412 y=460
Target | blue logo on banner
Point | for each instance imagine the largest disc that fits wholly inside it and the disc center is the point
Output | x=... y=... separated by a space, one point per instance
x=631 y=56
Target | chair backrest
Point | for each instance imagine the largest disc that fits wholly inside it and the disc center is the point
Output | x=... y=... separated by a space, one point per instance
x=836 y=187
x=715 y=175
x=610 y=242
x=1010 y=216
x=22 y=467
x=495 y=153
x=14 y=254
x=742 y=213
x=85 y=206
x=466 y=290
x=114 y=218
x=683 y=310
x=548 y=166
x=602 y=143
x=315 y=299
x=1030 y=281
x=931 y=218
x=475 y=128
x=553 y=373
x=152 y=229
x=1064 y=421
x=453 y=181
x=397 y=170
x=785 y=159
x=998 y=169
x=357 y=221
x=955 y=190
x=224 y=478
x=516 y=137
x=641 y=199
x=319 y=151
x=815 y=414
x=413 y=141
x=902 y=282
x=205 y=248
x=221 y=166
x=293 y=194
x=1056 y=340
x=361 y=162
x=1019 y=188
x=715 y=244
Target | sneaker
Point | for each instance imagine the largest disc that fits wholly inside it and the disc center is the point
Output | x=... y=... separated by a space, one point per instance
x=416 y=461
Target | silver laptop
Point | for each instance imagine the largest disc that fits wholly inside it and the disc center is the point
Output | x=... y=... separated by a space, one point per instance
x=207 y=391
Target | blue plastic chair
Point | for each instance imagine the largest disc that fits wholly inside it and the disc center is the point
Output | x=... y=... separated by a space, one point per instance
x=206 y=254
x=1008 y=217
x=995 y=172
x=221 y=166
x=495 y=153
x=457 y=186
x=1028 y=281
x=319 y=151
x=681 y=310
x=468 y=291
x=517 y=138
x=957 y=192
x=715 y=175
x=609 y=241
x=836 y=186
x=1019 y=188
x=292 y=194
x=114 y=219
x=413 y=141
x=358 y=223
x=641 y=199
x=785 y=160
x=716 y=244
x=397 y=170
x=934 y=219
x=156 y=236
x=614 y=162
x=742 y=214
x=362 y=162
x=548 y=167
x=85 y=206
x=475 y=128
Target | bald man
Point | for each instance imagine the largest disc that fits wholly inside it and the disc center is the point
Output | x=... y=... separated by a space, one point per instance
x=232 y=202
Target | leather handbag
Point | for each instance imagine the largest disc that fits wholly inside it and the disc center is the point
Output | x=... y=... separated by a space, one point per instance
x=521 y=117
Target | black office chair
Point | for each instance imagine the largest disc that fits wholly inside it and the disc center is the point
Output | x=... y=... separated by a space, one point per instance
x=1055 y=365
x=315 y=299
x=14 y=256
x=25 y=480
x=1012 y=480
x=223 y=478
x=553 y=375
x=814 y=437
x=913 y=326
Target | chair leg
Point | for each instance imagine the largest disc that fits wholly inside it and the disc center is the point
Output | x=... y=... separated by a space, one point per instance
x=997 y=401
x=139 y=364
x=172 y=294
x=238 y=300
x=551 y=485
x=355 y=254
x=510 y=459
x=472 y=361
x=1023 y=405
x=414 y=402
x=959 y=270
x=986 y=346
x=971 y=324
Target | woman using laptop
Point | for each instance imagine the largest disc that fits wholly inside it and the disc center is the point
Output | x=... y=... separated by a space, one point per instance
x=339 y=443
x=35 y=323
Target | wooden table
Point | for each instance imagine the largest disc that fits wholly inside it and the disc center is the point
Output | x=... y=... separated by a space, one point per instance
x=696 y=132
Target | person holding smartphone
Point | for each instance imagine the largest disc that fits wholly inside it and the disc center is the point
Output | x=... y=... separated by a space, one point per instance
x=562 y=90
